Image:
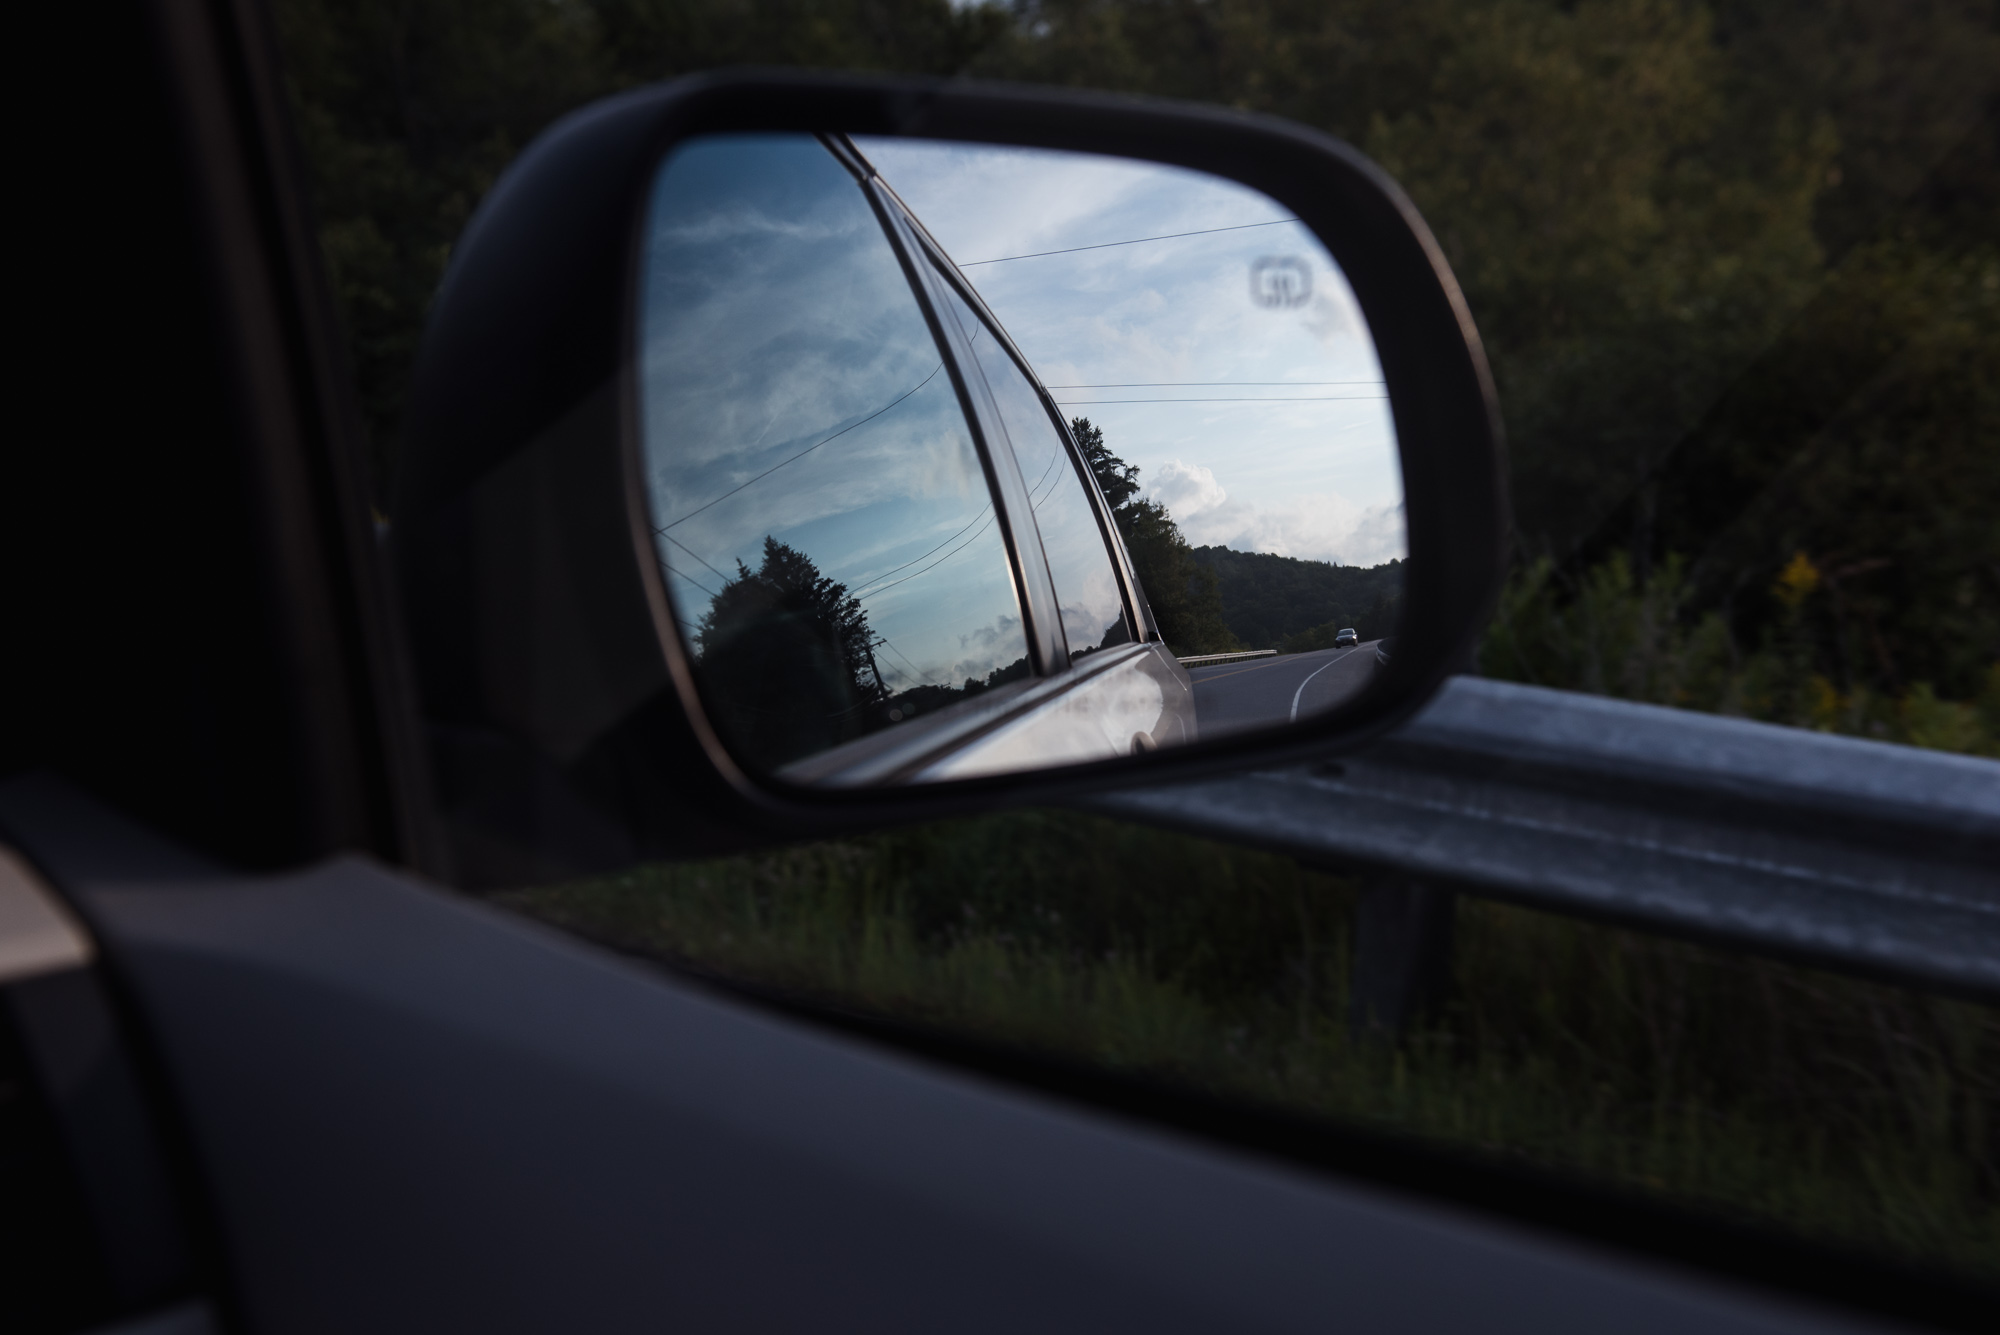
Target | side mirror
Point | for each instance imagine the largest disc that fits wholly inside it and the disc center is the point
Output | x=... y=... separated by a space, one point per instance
x=792 y=453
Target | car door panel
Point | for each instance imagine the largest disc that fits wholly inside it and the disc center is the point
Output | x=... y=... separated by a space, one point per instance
x=417 y=1112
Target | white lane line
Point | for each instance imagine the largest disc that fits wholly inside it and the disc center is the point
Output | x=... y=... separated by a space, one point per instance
x=1296 y=695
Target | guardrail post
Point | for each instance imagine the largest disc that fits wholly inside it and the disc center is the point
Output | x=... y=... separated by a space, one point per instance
x=1402 y=955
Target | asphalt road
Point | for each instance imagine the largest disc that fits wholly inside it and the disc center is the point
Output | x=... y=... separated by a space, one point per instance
x=1258 y=692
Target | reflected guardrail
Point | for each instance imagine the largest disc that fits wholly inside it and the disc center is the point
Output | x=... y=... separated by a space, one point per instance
x=1197 y=660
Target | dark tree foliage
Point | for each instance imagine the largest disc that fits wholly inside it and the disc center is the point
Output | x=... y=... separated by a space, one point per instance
x=1737 y=264
x=1118 y=480
x=1186 y=602
x=1270 y=599
x=1375 y=622
x=410 y=109
x=787 y=660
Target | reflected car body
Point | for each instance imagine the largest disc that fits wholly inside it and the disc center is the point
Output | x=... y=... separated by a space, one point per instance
x=1122 y=701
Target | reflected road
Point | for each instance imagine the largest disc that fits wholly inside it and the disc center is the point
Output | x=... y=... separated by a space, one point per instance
x=1229 y=697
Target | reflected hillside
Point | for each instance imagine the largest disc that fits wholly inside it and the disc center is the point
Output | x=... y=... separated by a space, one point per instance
x=1292 y=605
x=1216 y=600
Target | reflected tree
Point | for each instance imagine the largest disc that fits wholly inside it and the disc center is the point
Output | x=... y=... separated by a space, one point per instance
x=787 y=659
x=1185 y=596
x=1118 y=480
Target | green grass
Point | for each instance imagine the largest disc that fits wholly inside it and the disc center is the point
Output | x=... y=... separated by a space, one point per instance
x=1836 y=1109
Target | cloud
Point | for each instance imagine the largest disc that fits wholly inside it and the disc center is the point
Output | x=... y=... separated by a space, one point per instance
x=1319 y=527
x=1185 y=489
x=1324 y=527
x=985 y=649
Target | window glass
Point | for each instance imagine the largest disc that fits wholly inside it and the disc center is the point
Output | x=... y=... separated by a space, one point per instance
x=1734 y=265
x=1093 y=609
x=822 y=516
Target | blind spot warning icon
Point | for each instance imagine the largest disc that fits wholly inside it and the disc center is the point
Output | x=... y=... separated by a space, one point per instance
x=1280 y=282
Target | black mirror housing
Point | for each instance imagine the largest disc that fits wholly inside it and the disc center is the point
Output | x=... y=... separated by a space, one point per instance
x=567 y=733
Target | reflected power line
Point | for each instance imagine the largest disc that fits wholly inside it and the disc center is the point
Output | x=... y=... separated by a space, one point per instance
x=870 y=584
x=884 y=588
x=1137 y=240
x=802 y=453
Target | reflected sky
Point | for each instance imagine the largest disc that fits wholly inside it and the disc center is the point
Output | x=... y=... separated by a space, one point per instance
x=1274 y=435
x=791 y=388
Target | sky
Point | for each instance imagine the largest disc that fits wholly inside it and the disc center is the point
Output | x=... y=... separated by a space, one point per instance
x=1233 y=366
x=794 y=391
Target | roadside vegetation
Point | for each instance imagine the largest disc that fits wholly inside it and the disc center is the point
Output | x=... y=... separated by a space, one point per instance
x=1857 y=1114
x=1603 y=632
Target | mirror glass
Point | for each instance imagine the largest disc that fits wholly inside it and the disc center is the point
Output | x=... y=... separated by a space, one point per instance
x=964 y=460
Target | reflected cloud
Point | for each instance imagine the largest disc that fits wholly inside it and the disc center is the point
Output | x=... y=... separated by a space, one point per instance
x=983 y=650
x=1316 y=528
x=1186 y=490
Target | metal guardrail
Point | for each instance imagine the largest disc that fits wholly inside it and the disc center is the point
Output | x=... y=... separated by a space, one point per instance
x=1199 y=660
x=1832 y=851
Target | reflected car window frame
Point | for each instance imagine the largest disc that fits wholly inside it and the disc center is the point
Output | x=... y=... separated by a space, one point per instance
x=1033 y=427
x=1138 y=613
x=1048 y=651
x=1034 y=589
x=888 y=248
x=943 y=272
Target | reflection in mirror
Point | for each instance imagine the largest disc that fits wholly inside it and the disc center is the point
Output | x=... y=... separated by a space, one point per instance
x=831 y=548
x=1088 y=600
x=1218 y=374
x=964 y=460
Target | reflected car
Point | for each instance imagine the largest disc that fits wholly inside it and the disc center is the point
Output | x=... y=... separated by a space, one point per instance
x=1346 y=639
